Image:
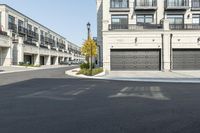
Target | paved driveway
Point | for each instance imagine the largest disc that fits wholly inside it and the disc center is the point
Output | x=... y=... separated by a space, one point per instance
x=50 y=102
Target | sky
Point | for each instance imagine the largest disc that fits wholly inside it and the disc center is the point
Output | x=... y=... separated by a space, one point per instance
x=66 y=17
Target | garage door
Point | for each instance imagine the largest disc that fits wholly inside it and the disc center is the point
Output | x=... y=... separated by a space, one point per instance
x=186 y=59
x=135 y=60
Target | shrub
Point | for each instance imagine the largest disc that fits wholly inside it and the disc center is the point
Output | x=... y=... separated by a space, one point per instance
x=87 y=65
x=27 y=65
x=88 y=72
x=21 y=63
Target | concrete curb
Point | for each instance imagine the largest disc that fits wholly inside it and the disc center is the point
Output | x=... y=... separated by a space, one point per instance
x=29 y=69
x=102 y=76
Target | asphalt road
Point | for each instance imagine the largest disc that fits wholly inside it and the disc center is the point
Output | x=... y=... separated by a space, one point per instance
x=47 y=101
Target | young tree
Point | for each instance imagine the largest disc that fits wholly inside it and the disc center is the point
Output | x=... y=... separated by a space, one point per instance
x=89 y=49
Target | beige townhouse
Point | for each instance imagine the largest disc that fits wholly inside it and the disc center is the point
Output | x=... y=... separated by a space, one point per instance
x=158 y=35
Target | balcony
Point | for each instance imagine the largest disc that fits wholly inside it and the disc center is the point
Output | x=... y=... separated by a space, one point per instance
x=177 y=4
x=146 y=5
x=29 y=41
x=46 y=39
x=3 y=33
x=184 y=26
x=195 y=5
x=22 y=30
x=141 y=26
x=119 y=6
x=12 y=27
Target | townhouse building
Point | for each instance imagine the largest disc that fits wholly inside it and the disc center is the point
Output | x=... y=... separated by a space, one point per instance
x=158 y=35
x=23 y=40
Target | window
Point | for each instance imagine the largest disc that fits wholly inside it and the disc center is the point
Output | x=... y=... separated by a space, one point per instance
x=35 y=29
x=120 y=19
x=196 y=18
x=29 y=27
x=119 y=3
x=144 y=19
x=11 y=19
x=196 y=3
x=20 y=23
x=175 y=19
x=177 y=2
x=146 y=2
x=42 y=32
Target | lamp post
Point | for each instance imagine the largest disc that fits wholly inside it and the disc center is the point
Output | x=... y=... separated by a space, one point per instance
x=88 y=27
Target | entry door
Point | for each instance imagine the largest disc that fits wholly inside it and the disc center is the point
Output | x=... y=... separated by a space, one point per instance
x=42 y=60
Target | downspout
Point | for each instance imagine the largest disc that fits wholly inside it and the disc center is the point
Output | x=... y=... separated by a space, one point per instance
x=162 y=52
x=171 y=53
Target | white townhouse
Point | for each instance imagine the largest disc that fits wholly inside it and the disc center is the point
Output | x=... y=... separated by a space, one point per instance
x=158 y=35
x=23 y=40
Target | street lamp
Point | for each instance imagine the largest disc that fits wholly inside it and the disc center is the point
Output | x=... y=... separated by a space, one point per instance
x=88 y=27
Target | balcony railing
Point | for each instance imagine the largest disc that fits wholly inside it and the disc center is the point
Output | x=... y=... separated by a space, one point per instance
x=148 y=4
x=3 y=33
x=134 y=26
x=22 y=30
x=177 y=4
x=184 y=26
x=12 y=27
x=29 y=41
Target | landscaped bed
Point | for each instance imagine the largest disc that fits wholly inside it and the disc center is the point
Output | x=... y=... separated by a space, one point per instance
x=85 y=70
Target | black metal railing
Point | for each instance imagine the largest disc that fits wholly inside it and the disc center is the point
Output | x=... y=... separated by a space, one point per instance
x=119 y=4
x=22 y=30
x=139 y=26
x=29 y=41
x=3 y=33
x=184 y=26
x=12 y=27
x=177 y=3
x=147 y=3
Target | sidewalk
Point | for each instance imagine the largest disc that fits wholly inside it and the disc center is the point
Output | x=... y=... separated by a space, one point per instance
x=147 y=76
x=12 y=69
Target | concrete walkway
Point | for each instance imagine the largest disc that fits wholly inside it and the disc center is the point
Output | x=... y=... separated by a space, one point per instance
x=149 y=76
x=12 y=69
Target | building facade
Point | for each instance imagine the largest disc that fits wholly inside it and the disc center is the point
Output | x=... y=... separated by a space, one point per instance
x=23 y=40
x=158 y=35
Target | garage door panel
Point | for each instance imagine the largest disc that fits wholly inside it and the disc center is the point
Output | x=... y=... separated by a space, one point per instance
x=135 y=59
x=186 y=59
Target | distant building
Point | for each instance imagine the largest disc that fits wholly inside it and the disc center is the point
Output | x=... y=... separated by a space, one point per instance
x=25 y=40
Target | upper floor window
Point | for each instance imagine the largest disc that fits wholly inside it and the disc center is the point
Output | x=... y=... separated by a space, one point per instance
x=145 y=19
x=29 y=27
x=145 y=2
x=119 y=3
x=196 y=3
x=119 y=22
x=46 y=34
x=11 y=19
x=41 y=32
x=175 y=19
x=20 y=23
x=177 y=2
x=35 y=29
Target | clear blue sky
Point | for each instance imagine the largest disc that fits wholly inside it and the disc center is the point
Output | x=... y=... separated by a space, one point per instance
x=66 y=17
